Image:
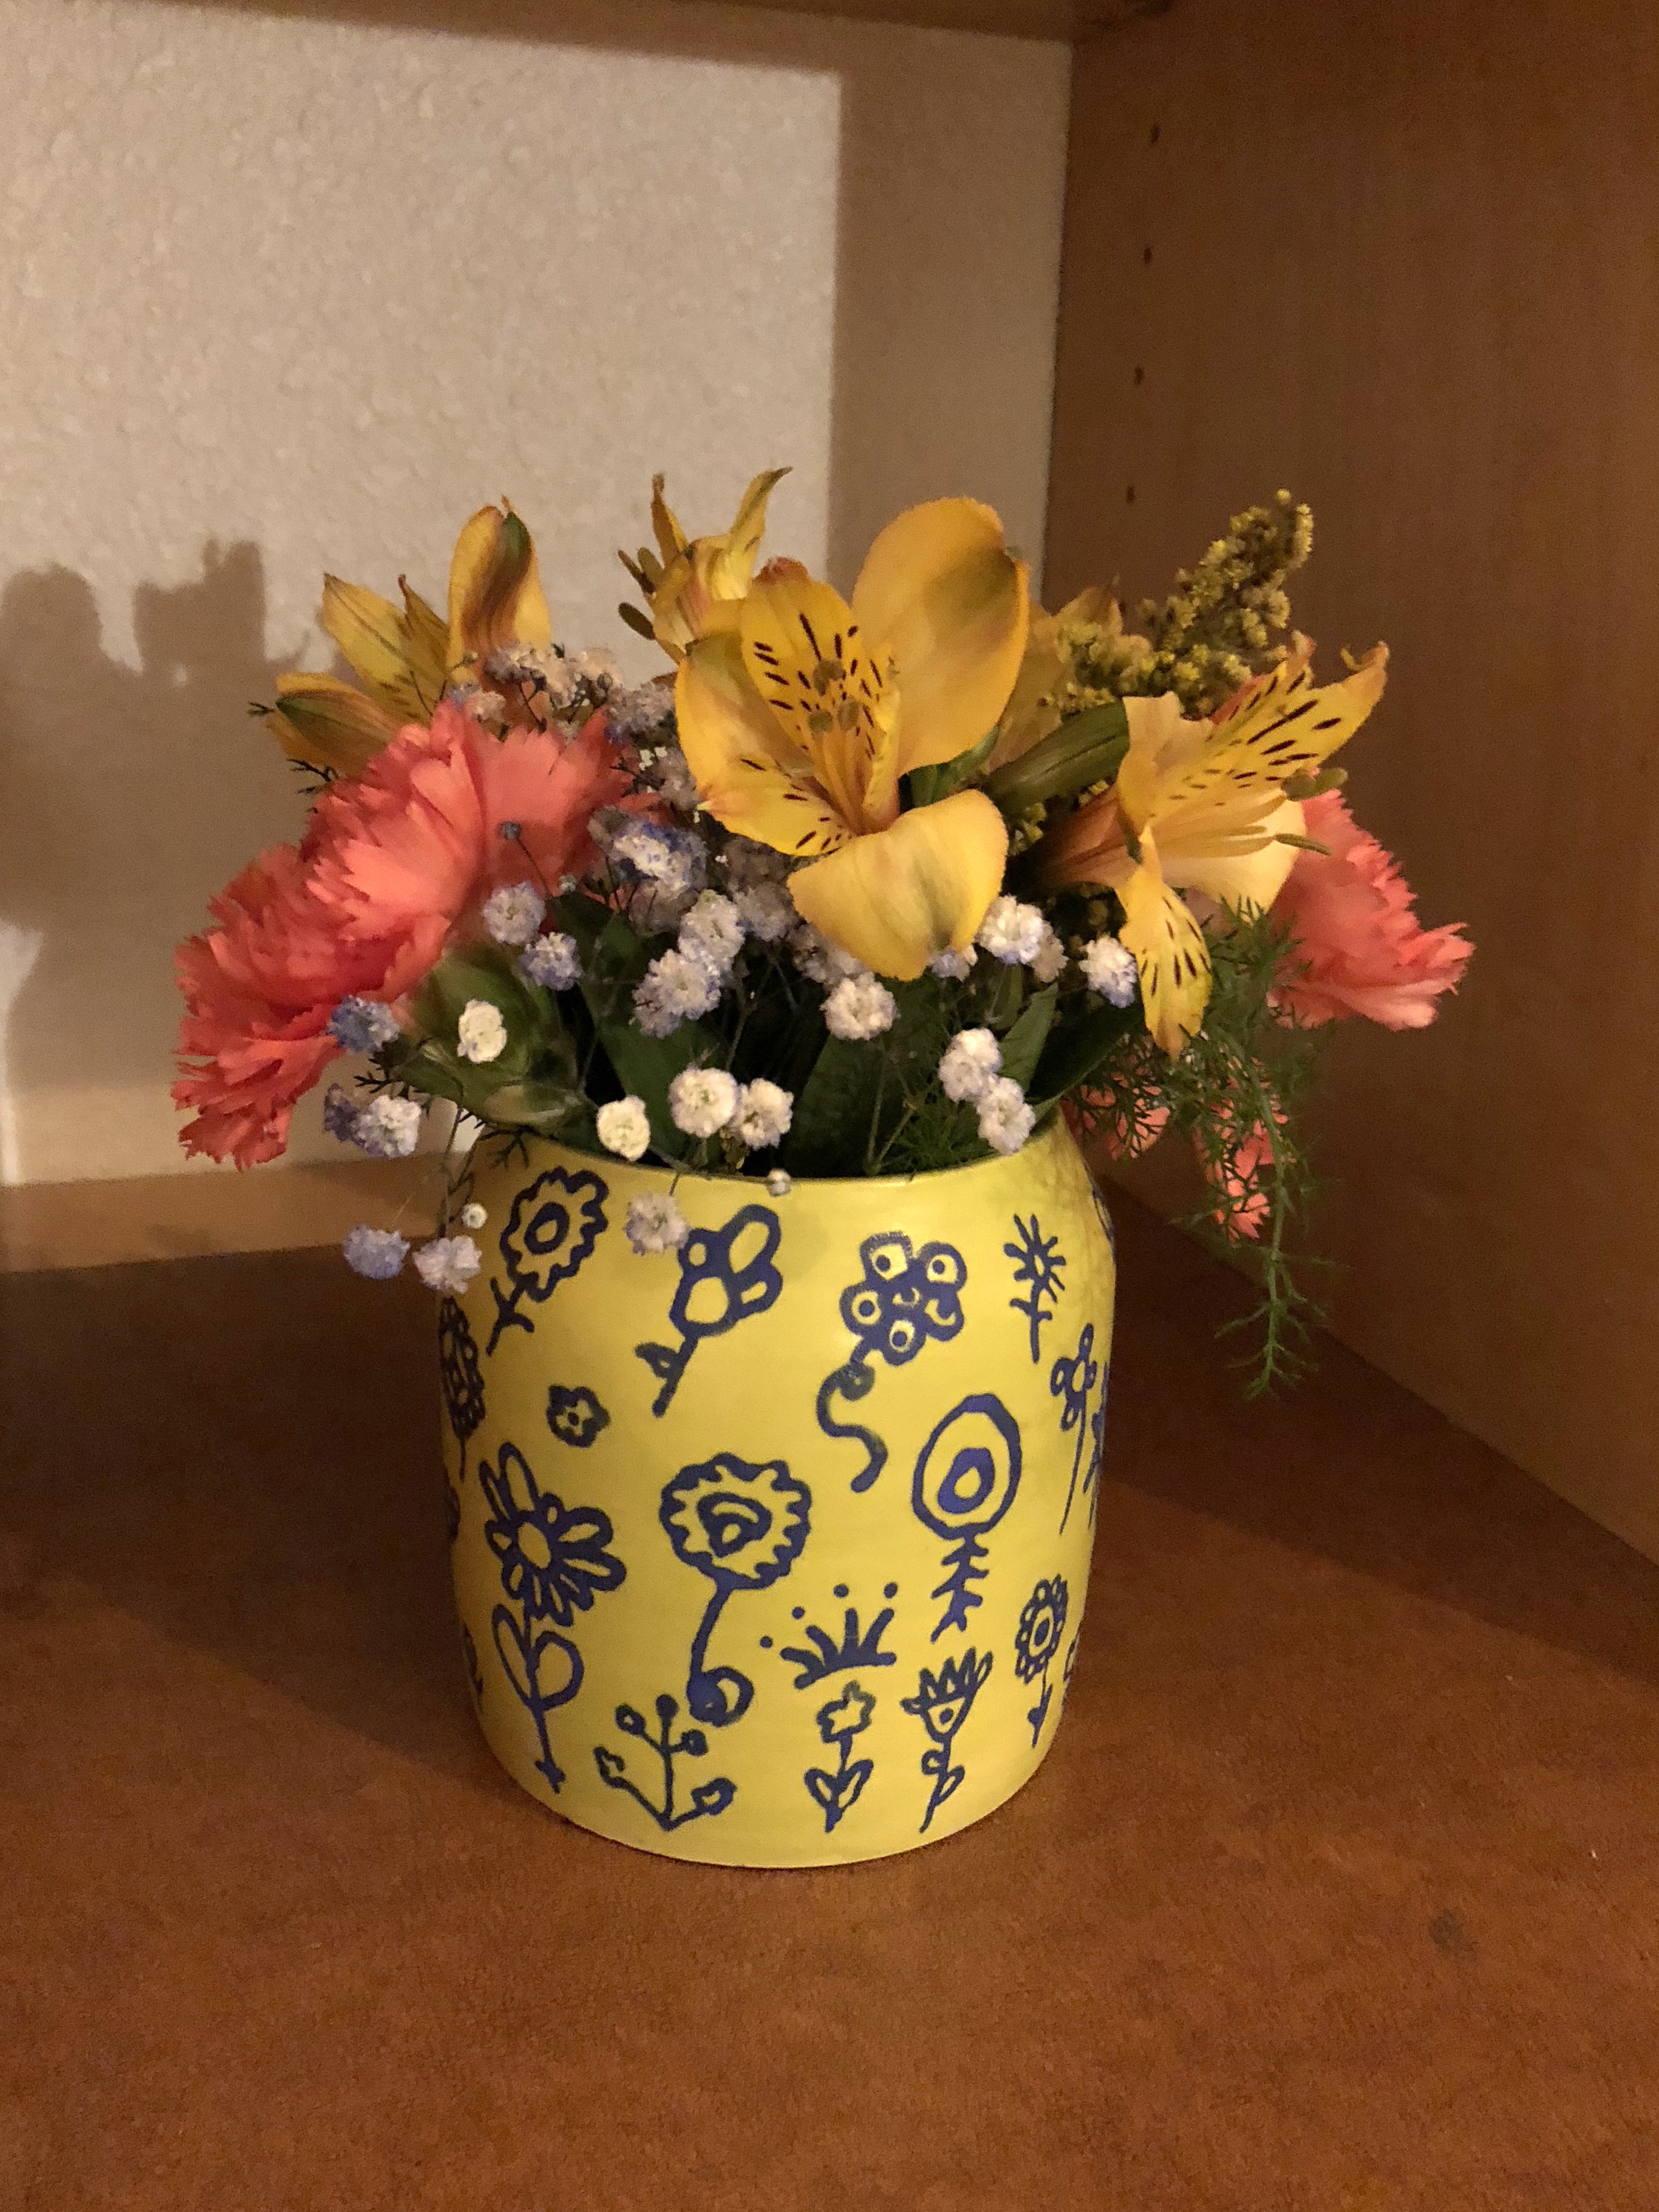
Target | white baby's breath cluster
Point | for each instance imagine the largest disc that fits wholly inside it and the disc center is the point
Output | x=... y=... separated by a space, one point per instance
x=703 y=1101
x=1108 y=968
x=860 y=1007
x=481 y=1032
x=653 y=1223
x=514 y=914
x=624 y=1128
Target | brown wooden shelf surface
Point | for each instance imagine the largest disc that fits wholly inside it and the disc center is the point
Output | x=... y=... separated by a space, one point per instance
x=1335 y=1894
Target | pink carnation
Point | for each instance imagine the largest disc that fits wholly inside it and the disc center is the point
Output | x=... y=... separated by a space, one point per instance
x=393 y=867
x=1361 y=949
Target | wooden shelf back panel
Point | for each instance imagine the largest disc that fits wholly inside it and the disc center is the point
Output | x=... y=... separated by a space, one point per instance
x=1402 y=260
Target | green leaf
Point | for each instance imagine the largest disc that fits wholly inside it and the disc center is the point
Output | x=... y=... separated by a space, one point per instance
x=835 y=1110
x=614 y=961
x=1088 y=748
x=1023 y=1046
x=924 y=786
x=540 y=1103
x=1078 y=1045
x=536 y=1037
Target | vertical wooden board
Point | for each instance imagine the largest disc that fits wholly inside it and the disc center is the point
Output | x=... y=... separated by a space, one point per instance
x=1405 y=259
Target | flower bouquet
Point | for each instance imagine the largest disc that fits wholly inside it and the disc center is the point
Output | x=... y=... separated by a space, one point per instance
x=770 y=996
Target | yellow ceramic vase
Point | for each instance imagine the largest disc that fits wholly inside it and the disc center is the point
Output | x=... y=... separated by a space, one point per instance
x=772 y=1549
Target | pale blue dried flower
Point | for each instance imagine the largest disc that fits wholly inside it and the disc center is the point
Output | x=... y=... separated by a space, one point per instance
x=377 y=1253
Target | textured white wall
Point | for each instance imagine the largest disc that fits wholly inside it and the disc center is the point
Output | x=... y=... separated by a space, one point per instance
x=289 y=294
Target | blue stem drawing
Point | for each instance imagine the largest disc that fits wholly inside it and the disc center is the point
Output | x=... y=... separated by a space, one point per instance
x=717 y=1696
x=707 y=1799
x=855 y=1380
x=709 y=1261
x=836 y=1790
x=965 y=1570
x=533 y=1655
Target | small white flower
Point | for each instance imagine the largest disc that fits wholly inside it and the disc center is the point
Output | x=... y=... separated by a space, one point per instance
x=1005 y=1119
x=1011 y=932
x=673 y=858
x=970 y=1065
x=486 y=706
x=1051 y=957
x=819 y=960
x=654 y=1224
x=448 y=1264
x=388 y=1129
x=480 y=1034
x=1108 y=967
x=764 y=1114
x=859 y=1007
x=767 y=911
x=553 y=961
x=779 y=1183
x=702 y=1100
x=624 y=1127
x=377 y=1253
x=712 y=931
x=473 y=1216
x=513 y=913
x=950 y=966
x=674 y=989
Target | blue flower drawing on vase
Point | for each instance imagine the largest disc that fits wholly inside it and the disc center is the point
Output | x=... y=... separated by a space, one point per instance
x=1040 y=1265
x=575 y=1416
x=904 y=1300
x=942 y=1705
x=460 y=1377
x=1071 y=1380
x=1097 y=1444
x=555 y=1559
x=474 y=1672
x=726 y=1276
x=819 y=1656
x=965 y=1480
x=743 y=1525
x=1041 y=1625
x=706 y=1799
x=836 y=1790
x=554 y=1226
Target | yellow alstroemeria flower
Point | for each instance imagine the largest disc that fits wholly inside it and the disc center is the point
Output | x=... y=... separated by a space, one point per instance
x=405 y=657
x=799 y=721
x=1200 y=806
x=694 y=585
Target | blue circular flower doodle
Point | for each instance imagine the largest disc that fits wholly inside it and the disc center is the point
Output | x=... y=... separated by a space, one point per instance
x=1041 y=1625
x=741 y=1525
x=554 y=1557
x=904 y=1298
x=575 y=1416
x=965 y=1480
x=554 y=1226
x=459 y=1376
x=744 y=1527
x=970 y=1469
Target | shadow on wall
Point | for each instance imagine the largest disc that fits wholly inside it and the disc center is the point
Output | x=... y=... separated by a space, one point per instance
x=134 y=793
x=128 y=796
x=951 y=181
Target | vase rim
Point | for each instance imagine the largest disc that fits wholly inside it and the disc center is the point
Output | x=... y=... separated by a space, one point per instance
x=1055 y=1130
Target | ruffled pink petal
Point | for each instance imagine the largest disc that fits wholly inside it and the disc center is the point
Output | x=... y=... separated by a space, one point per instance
x=1357 y=941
